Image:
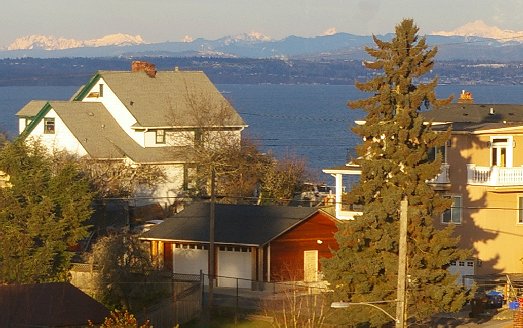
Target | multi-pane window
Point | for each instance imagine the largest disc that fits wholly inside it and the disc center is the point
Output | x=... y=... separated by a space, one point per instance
x=160 y=136
x=435 y=151
x=501 y=151
x=198 y=137
x=189 y=176
x=453 y=214
x=100 y=90
x=49 y=127
x=520 y=209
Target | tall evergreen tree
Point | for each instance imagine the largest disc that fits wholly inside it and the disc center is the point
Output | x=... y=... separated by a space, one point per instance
x=43 y=209
x=395 y=164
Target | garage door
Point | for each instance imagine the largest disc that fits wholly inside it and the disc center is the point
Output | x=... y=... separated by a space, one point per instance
x=463 y=269
x=189 y=259
x=234 y=262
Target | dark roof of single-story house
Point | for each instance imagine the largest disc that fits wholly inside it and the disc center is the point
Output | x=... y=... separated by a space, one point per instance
x=249 y=225
x=55 y=304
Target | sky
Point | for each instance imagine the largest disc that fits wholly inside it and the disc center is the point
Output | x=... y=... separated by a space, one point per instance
x=174 y=20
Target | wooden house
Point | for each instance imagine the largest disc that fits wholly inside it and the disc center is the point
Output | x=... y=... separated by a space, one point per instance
x=252 y=243
x=139 y=117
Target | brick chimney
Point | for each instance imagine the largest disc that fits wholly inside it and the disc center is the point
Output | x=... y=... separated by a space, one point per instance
x=143 y=66
x=465 y=97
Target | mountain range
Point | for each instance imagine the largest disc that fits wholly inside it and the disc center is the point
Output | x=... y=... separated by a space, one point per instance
x=473 y=41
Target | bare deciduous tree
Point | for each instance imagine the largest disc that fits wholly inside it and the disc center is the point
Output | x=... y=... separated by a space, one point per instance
x=297 y=307
x=118 y=179
x=127 y=277
x=214 y=143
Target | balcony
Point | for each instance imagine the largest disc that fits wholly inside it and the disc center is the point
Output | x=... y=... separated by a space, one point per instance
x=442 y=180
x=494 y=176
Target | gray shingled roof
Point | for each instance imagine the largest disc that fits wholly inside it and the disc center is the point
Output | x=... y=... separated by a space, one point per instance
x=31 y=108
x=475 y=117
x=54 y=304
x=476 y=113
x=101 y=136
x=162 y=101
x=165 y=100
x=234 y=224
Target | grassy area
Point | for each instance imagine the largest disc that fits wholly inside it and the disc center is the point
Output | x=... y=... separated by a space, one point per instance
x=225 y=319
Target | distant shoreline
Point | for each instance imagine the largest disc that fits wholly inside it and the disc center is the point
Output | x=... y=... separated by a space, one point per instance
x=75 y=71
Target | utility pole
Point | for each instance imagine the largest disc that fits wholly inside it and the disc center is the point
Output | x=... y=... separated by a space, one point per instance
x=401 y=306
x=212 y=217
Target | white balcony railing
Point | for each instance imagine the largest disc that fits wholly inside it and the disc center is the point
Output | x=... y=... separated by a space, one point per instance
x=443 y=177
x=494 y=176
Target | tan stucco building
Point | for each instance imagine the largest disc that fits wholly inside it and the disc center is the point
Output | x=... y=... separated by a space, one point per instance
x=482 y=172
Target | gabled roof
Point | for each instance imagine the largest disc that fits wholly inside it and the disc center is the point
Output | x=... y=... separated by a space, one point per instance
x=234 y=224
x=56 y=304
x=476 y=113
x=475 y=117
x=171 y=98
x=99 y=133
x=32 y=108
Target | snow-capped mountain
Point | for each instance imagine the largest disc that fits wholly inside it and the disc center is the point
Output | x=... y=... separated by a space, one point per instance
x=247 y=37
x=49 y=42
x=480 y=29
x=473 y=41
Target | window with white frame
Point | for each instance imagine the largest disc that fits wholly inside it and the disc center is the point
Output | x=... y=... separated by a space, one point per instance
x=49 y=127
x=160 y=136
x=453 y=214
x=433 y=152
x=520 y=208
x=501 y=151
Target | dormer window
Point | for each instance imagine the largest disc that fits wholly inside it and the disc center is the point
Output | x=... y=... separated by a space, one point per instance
x=160 y=136
x=49 y=125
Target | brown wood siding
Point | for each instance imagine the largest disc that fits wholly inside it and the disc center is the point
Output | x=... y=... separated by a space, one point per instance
x=286 y=252
x=168 y=256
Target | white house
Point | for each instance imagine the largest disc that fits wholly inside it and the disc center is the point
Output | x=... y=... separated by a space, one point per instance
x=142 y=116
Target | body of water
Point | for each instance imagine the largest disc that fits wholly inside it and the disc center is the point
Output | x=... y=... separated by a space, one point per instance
x=309 y=121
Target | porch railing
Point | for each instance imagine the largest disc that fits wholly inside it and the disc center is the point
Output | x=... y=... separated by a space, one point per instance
x=494 y=176
x=443 y=177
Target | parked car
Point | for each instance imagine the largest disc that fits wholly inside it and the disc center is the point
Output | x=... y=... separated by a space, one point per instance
x=494 y=299
x=311 y=194
x=146 y=226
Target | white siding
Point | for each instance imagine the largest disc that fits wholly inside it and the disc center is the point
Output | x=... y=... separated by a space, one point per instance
x=217 y=139
x=117 y=109
x=21 y=124
x=62 y=139
x=164 y=193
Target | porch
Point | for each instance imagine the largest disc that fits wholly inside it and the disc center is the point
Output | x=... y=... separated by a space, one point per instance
x=494 y=176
